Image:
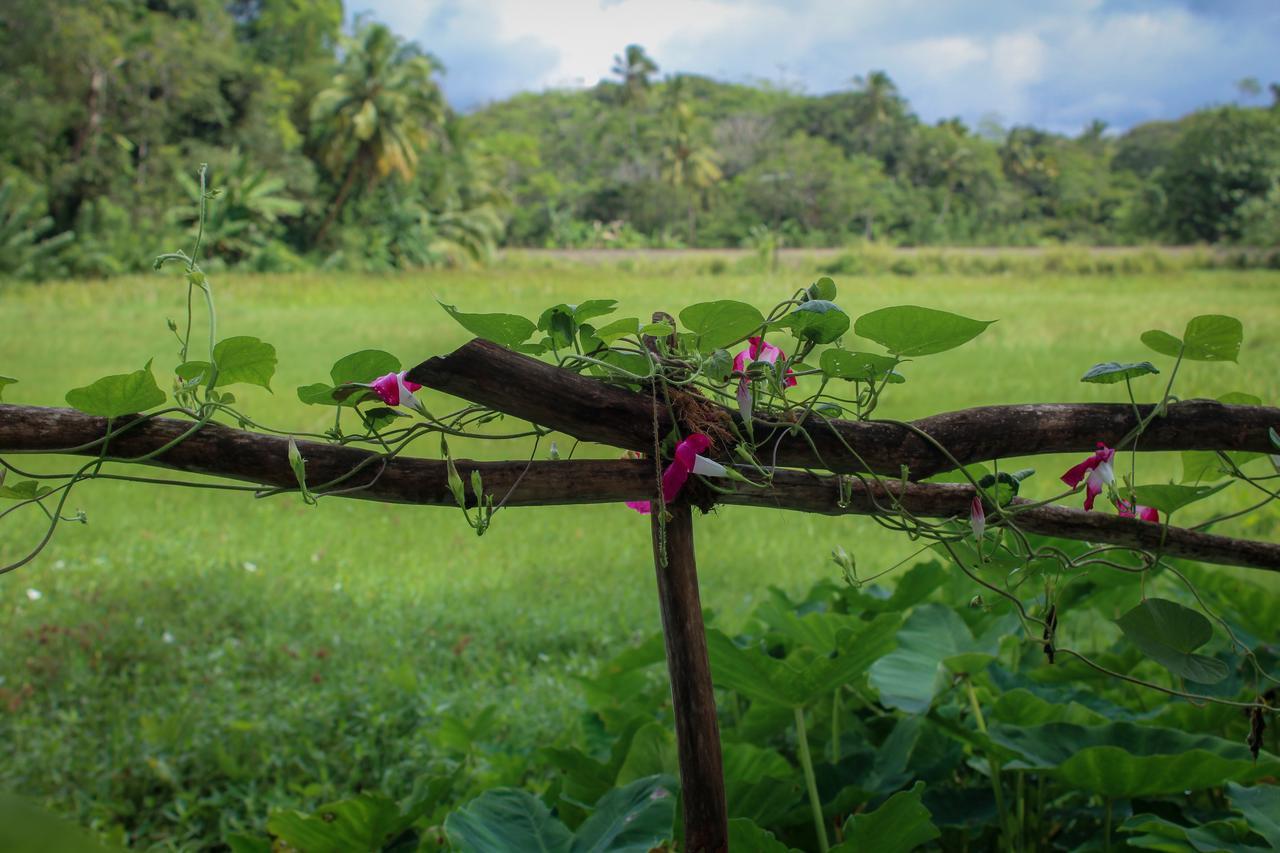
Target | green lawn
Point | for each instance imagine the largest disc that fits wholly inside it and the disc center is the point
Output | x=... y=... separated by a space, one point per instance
x=194 y=658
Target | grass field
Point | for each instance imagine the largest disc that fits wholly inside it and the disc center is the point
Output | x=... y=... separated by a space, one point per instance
x=193 y=658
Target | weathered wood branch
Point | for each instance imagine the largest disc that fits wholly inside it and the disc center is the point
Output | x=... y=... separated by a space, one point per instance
x=225 y=452
x=586 y=408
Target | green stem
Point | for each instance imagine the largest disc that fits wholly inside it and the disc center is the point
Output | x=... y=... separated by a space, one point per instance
x=835 y=726
x=1106 y=831
x=810 y=781
x=996 y=786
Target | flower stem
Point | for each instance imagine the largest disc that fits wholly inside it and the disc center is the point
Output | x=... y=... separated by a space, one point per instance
x=996 y=787
x=811 y=782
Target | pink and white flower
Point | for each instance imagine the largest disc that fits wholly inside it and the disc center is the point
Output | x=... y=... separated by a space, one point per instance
x=758 y=349
x=686 y=463
x=1146 y=513
x=977 y=518
x=395 y=390
x=1099 y=471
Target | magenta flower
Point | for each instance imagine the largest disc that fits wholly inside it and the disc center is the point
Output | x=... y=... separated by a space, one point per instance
x=758 y=349
x=1146 y=513
x=687 y=462
x=395 y=390
x=977 y=518
x=1098 y=469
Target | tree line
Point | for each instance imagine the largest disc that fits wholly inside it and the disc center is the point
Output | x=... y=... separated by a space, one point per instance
x=335 y=147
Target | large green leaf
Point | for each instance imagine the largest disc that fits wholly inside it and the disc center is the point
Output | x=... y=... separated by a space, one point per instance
x=933 y=643
x=1209 y=337
x=122 y=394
x=1261 y=807
x=632 y=819
x=593 y=308
x=245 y=359
x=1169 y=633
x=908 y=330
x=1125 y=759
x=804 y=675
x=363 y=366
x=1111 y=372
x=1170 y=497
x=901 y=825
x=746 y=837
x=505 y=329
x=862 y=366
x=364 y=822
x=6 y=381
x=1206 y=465
x=506 y=819
x=24 y=490
x=758 y=783
x=818 y=320
x=1150 y=832
x=720 y=323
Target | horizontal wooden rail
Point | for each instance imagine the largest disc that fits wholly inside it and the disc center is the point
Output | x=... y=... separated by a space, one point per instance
x=263 y=459
x=589 y=409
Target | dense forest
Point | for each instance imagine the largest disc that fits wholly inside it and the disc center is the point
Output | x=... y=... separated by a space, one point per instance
x=331 y=144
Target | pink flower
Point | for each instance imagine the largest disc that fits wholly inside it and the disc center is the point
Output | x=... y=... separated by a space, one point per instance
x=758 y=349
x=395 y=390
x=687 y=462
x=1098 y=467
x=1146 y=513
x=977 y=518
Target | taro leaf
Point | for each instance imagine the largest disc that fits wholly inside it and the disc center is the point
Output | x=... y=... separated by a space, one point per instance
x=1170 y=497
x=1219 y=836
x=746 y=837
x=863 y=366
x=632 y=819
x=913 y=587
x=718 y=366
x=901 y=825
x=818 y=321
x=933 y=643
x=800 y=678
x=720 y=323
x=1169 y=633
x=364 y=822
x=122 y=394
x=824 y=288
x=4 y=381
x=505 y=329
x=24 y=490
x=758 y=783
x=1261 y=807
x=506 y=819
x=363 y=366
x=617 y=329
x=244 y=359
x=593 y=308
x=908 y=330
x=652 y=752
x=1124 y=759
x=1110 y=372
x=1209 y=337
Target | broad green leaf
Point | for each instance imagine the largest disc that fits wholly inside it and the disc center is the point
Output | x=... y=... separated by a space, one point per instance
x=557 y=321
x=192 y=370
x=1261 y=807
x=901 y=825
x=24 y=490
x=363 y=366
x=932 y=644
x=618 y=329
x=6 y=381
x=506 y=819
x=632 y=819
x=746 y=837
x=1111 y=372
x=1209 y=337
x=318 y=394
x=1169 y=633
x=593 y=308
x=1150 y=832
x=908 y=330
x=818 y=320
x=505 y=329
x=1240 y=398
x=364 y=822
x=1206 y=465
x=652 y=753
x=1124 y=759
x=1170 y=497
x=824 y=288
x=862 y=366
x=244 y=359
x=758 y=783
x=122 y=394
x=657 y=330
x=718 y=366
x=721 y=323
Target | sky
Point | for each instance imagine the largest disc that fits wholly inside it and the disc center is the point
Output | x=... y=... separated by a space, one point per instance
x=1056 y=64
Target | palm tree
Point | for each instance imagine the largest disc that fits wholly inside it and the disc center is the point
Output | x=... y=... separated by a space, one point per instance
x=690 y=163
x=633 y=68
x=378 y=113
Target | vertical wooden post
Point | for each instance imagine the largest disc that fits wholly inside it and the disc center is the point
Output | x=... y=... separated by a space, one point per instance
x=706 y=827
